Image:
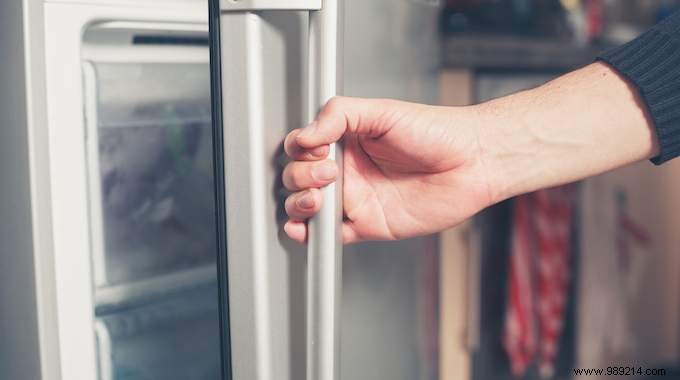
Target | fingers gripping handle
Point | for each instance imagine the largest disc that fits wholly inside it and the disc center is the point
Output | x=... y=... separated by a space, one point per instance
x=324 y=256
x=324 y=266
x=324 y=250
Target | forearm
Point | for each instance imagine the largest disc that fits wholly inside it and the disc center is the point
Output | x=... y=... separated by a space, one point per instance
x=579 y=125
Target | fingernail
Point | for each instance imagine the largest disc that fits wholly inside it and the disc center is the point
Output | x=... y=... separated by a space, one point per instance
x=307 y=131
x=324 y=171
x=306 y=201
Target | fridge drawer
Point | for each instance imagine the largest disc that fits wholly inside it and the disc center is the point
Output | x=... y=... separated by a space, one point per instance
x=172 y=338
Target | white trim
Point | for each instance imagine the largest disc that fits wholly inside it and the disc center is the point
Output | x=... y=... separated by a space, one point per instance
x=150 y=54
x=96 y=214
x=104 y=351
x=36 y=99
x=261 y=5
x=155 y=286
x=64 y=26
x=120 y=49
x=155 y=26
x=153 y=5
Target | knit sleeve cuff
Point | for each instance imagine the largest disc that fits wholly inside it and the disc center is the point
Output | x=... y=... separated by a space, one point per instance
x=652 y=63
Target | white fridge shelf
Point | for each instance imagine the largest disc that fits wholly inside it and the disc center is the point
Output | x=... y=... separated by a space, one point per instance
x=117 y=296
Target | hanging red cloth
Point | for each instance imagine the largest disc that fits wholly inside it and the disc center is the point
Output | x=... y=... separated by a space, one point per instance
x=538 y=279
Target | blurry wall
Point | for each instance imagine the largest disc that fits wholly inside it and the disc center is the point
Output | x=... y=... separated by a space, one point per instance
x=630 y=305
x=392 y=49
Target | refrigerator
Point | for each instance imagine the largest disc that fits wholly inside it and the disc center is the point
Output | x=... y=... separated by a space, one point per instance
x=140 y=155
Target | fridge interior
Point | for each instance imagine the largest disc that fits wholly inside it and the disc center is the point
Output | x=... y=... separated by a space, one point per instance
x=151 y=200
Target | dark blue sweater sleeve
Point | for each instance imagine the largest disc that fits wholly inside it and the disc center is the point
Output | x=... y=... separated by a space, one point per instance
x=652 y=63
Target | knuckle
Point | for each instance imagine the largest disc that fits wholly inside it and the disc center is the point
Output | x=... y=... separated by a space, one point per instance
x=335 y=104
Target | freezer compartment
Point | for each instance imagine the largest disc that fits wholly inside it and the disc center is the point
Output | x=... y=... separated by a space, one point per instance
x=151 y=201
x=170 y=338
x=151 y=173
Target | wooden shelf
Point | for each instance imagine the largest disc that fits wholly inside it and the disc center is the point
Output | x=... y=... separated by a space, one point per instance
x=512 y=52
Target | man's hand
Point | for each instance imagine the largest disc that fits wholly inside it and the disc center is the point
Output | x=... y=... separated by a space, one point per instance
x=409 y=169
x=413 y=169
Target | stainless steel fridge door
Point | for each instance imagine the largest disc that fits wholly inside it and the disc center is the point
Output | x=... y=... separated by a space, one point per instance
x=274 y=64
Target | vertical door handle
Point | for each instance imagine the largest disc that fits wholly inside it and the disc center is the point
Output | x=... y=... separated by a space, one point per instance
x=324 y=254
x=324 y=249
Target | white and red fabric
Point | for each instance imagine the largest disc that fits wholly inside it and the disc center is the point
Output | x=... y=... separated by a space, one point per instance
x=538 y=278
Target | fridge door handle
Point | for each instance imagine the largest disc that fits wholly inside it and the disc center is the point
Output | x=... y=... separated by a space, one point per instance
x=324 y=247
x=324 y=80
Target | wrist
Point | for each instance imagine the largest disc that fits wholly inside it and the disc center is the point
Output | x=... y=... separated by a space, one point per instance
x=582 y=124
x=504 y=149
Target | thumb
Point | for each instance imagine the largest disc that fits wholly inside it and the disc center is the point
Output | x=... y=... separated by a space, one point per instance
x=341 y=114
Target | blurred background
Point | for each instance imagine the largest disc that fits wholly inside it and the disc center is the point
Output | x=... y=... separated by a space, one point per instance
x=584 y=276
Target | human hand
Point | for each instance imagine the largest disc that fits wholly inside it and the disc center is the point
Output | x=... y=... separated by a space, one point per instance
x=409 y=169
x=412 y=169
